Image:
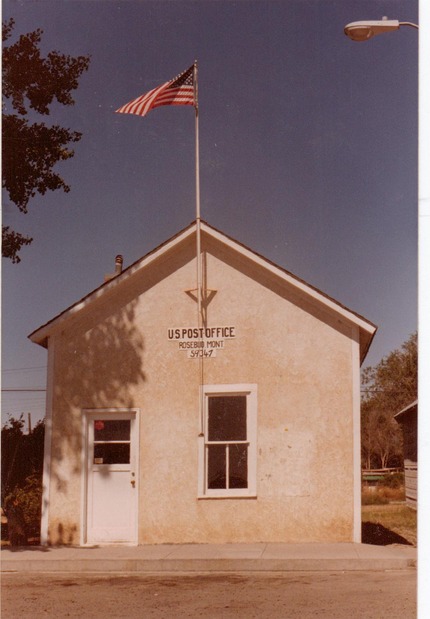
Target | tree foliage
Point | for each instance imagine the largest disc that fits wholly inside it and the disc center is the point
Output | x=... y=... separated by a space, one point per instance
x=31 y=150
x=21 y=454
x=21 y=477
x=387 y=388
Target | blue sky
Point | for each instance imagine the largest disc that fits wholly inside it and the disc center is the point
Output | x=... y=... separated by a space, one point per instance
x=308 y=155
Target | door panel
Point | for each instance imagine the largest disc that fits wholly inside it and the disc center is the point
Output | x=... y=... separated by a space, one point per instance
x=111 y=514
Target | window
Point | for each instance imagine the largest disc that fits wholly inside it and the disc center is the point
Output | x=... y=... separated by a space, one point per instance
x=228 y=449
x=111 y=441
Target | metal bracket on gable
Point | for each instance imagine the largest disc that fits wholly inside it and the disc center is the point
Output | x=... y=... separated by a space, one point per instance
x=207 y=295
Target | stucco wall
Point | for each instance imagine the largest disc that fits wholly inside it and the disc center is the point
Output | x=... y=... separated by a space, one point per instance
x=300 y=357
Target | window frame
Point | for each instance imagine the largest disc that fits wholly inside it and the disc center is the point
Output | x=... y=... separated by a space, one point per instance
x=250 y=392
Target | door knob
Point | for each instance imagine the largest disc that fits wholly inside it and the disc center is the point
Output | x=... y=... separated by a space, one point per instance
x=133 y=483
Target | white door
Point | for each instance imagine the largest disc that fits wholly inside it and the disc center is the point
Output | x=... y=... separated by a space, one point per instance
x=111 y=514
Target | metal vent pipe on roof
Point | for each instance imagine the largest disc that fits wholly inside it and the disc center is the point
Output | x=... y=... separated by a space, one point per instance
x=118 y=264
x=118 y=269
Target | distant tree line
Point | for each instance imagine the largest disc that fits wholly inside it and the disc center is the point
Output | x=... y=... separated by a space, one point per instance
x=387 y=388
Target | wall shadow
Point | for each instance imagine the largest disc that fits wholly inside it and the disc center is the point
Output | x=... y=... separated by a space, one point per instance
x=378 y=535
x=98 y=364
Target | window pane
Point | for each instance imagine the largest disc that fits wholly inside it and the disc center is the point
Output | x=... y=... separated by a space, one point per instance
x=216 y=466
x=112 y=430
x=112 y=453
x=238 y=466
x=227 y=418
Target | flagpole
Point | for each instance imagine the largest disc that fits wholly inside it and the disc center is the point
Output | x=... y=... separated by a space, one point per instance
x=198 y=252
x=198 y=233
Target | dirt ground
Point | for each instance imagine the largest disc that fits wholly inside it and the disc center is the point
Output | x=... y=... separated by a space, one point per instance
x=299 y=595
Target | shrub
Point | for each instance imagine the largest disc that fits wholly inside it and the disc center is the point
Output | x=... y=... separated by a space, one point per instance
x=381 y=494
x=392 y=494
x=30 y=500
x=396 y=480
x=23 y=509
x=372 y=497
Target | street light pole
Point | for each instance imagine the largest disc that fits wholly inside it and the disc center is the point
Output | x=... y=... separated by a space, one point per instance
x=363 y=31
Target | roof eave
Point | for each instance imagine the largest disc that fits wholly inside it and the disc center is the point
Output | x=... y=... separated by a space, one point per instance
x=41 y=334
x=367 y=329
x=410 y=407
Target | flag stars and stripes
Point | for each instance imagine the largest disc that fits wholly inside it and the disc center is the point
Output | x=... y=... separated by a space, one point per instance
x=178 y=91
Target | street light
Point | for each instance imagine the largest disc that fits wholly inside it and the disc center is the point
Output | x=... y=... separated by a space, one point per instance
x=364 y=30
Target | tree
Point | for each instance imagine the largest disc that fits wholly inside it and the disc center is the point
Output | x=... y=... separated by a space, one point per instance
x=21 y=454
x=21 y=478
x=381 y=441
x=387 y=388
x=31 y=150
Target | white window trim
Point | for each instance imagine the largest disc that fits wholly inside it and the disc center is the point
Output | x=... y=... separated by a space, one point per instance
x=250 y=391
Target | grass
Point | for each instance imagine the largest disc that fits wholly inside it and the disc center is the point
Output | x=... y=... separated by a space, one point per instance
x=381 y=495
x=389 y=524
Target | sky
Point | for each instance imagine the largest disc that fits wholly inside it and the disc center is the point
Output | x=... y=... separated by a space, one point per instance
x=308 y=155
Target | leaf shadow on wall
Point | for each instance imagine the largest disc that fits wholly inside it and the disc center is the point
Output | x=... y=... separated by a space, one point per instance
x=98 y=365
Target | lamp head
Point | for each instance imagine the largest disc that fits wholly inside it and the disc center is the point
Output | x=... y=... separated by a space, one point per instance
x=364 y=30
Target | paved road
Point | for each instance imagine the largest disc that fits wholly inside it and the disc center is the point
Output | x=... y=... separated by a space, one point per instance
x=299 y=595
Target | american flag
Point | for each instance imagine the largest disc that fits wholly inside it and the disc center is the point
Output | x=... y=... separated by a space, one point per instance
x=178 y=91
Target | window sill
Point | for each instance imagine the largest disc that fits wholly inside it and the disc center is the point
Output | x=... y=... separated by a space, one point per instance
x=226 y=496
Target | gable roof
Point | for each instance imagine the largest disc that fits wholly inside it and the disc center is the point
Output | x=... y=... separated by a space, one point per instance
x=367 y=329
x=406 y=411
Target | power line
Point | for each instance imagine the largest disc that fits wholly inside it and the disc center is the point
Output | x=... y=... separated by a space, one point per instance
x=21 y=390
x=35 y=367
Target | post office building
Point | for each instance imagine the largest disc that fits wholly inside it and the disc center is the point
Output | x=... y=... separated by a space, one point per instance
x=226 y=412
